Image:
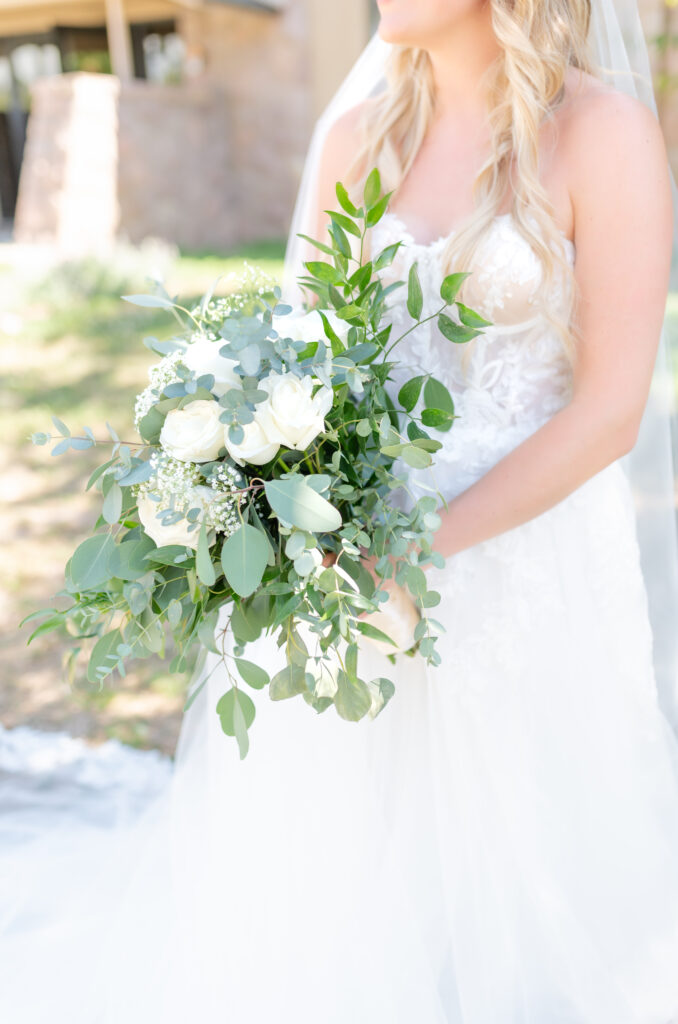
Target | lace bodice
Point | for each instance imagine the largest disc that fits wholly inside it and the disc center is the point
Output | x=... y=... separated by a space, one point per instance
x=517 y=374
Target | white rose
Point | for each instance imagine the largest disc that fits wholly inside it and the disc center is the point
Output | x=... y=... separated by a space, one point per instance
x=309 y=327
x=202 y=356
x=176 y=533
x=397 y=617
x=194 y=433
x=255 y=446
x=291 y=415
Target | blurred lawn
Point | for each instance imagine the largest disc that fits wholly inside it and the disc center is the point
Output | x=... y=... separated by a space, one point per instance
x=70 y=346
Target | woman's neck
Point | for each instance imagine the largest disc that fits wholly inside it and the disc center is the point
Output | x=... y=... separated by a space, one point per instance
x=460 y=61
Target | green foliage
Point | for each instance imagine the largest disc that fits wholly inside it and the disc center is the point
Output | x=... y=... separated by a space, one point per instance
x=264 y=566
x=244 y=557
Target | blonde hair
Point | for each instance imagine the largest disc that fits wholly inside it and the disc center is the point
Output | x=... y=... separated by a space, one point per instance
x=540 y=40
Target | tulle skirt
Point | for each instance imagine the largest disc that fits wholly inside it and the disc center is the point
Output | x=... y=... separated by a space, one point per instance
x=499 y=846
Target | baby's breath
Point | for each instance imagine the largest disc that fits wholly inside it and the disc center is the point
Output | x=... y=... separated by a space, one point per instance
x=227 y=483
x=252 y=283
x=159 y=375
x=170 y=478
x=173 y=486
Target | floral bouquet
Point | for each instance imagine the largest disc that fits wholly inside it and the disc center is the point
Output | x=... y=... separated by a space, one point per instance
x=263 y=482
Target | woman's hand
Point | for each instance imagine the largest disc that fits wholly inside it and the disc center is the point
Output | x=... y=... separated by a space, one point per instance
x=369 y=562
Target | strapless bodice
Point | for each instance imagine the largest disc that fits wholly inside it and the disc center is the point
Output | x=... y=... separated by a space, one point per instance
x=517 y=374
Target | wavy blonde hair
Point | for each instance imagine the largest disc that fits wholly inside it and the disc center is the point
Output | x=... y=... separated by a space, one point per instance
x=540 y=40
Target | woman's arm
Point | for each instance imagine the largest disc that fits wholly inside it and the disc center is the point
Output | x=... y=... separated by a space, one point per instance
x=621 y=196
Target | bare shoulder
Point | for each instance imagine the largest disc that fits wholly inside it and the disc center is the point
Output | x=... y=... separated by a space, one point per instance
x=338 y=154
x=613 y=157
x=607 y=136
x=344 y=137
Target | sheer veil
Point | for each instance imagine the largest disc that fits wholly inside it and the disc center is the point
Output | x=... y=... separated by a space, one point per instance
x=617 y=45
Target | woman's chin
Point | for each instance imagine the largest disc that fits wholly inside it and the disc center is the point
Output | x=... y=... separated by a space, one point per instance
x=391 y=32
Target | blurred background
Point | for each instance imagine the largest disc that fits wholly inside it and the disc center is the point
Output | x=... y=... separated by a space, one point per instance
x=142 y=138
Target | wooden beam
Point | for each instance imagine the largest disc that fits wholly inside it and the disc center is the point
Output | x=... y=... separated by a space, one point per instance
x=20 y=17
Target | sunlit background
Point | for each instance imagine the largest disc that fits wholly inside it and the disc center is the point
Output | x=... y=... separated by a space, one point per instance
x=137 y=138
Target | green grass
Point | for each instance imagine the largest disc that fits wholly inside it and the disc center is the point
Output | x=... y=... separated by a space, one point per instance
x=70 y=346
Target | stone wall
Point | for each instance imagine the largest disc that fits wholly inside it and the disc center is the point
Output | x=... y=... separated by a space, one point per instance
x=175 y=169
x=257 y=66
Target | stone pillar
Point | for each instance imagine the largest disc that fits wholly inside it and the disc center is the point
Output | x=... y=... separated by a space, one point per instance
x=119 y=40
x=68 y=190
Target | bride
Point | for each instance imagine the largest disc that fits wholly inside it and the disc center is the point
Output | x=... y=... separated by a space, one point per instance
x=499 y=845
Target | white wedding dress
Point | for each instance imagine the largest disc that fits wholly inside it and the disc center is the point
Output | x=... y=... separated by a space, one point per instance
x=499 y=846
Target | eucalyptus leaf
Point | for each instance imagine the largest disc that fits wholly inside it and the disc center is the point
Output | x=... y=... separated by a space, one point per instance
x=203 y=560
x=101 y=652
x=61 y=426
x=240 y=725
x=352 y=699
x=112 y=506
x=250 y=359
x=416 y=457
x=408 y=396
x=437 y=418
x=156 y=301
x=141 y=471
x=244 y=557
x=174 y=613
x=61 y=447
x=437 y=396
x=225 y=709
x=90 y=563
x=295 y=502
x=253 y=675
x=290 y=681
x=128 y=560
x=370 y=631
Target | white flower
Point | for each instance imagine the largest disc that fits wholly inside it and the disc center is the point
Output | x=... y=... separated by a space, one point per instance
x=291 y=415
x=159 y=375
x=194 y=433
x=254 y=448
x=309 y=327
x=202 y=356
x=176 y=533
